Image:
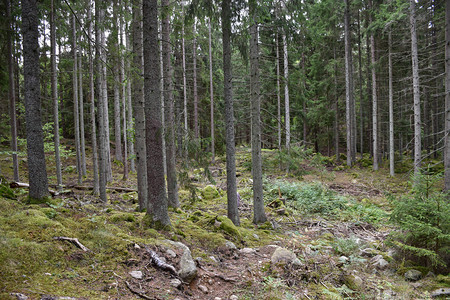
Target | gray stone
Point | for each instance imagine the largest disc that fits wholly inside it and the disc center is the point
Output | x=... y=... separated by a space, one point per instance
x=19 y=296
x=171 y=253
x=188 y=269
x=282 y=256
x=247 y=250
x=343 y=259
x=203 y=288
x=413 y=275
x=176 y=283
x=440 y=292
x=234 y=297
x=217 y=298
x=256 y=236
x=214 y=259
x=230 y=245
x=379 y=262
x=136 y=274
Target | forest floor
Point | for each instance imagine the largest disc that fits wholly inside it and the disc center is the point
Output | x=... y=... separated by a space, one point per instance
x=335 y=220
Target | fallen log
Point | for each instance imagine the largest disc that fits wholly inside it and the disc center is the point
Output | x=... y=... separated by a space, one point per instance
x=16 y=184
x=74 y=241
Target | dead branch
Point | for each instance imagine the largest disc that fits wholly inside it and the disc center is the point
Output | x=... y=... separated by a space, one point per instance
x=16 y=184
x=74 y=241
x=226 y=279
x=157 y=261
x=137 y=292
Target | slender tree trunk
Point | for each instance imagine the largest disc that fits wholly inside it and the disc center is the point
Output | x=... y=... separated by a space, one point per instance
x=194 y=54
x=336 y=110
x=37 y=172
x=259 y=216
x=138 y=105
x=130 y=140
x=76 y=114
x=211 y=93
x=172 y=187
x=157 y=208
x=447 y=97
x=101 y=82
x=287 y=122
x=117 y=85
x=416 y=89
x=185 y=109
x=278 y=93
x=96 y=190
x=233 y=213
x=162 y=92
x=124 y=102
x=12 y=92
x=374 y=99
x=82 y=136
x=391 y=108
x=361 y=97
x=349 y=97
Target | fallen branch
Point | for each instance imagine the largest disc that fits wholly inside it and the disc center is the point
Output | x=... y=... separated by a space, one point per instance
x=74 y=241
x=137 y=292
x=157 y=261
x=226 y=279
x=16 y=184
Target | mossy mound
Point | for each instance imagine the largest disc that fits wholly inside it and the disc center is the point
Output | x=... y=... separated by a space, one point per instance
x=210 y=192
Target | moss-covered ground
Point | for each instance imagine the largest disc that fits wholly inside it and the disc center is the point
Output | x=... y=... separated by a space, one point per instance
x=335 y=219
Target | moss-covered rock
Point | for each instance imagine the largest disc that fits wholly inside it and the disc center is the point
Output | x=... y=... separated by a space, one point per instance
x=210 y=192
x=227 y=226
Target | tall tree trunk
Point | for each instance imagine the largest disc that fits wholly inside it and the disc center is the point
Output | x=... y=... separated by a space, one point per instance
x=447 y=97
x=391 y=108
x=172 y=187
x=81 y=102
x=157 y=209
x=117 y=85
x=194 y=55
x=124 y=102
x=361 y=97
x=278 y=94
x=211 y=93
x=96 y=190
x=287 y=121
x=374 y=98
x=185 y=109
x=233 y=213
x=138 y=105
x=259 y=216
x=349 y=97
x=416 y=89
x=76 y=114
x=130 y=139
x=12 y=93
x=102 y=118
x=336 y=110
x=37 y=172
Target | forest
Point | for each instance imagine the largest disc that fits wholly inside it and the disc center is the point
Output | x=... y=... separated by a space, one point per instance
x=235 y=149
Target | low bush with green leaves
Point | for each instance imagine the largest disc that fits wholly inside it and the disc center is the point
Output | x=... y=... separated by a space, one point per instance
x=423 y=218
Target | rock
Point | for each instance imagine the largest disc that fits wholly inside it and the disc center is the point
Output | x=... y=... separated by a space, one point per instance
x=136 y=246
x=136 y=274
x=19 y=296
x=440 y=292
x=230 y=245
x=256 y=236
x=275 y=225
x=234 y=297
x=210 y=192
x=297 y=263
x=413 y=275
x=247 y=250
x=354 y=282
x=282 y=256
x=176 y=283
x=214 y=259
x=379 y=262
x=203 y=288
x=171 y=253
x=188 y=270
x=343 y=259
x=217 y=298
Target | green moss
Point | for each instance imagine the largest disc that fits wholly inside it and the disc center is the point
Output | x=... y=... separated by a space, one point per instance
x=209 y=193
x=228 y=227
x=122 y=216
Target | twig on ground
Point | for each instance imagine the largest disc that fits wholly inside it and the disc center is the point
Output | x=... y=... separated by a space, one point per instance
x=74 y=241
x=137 y=292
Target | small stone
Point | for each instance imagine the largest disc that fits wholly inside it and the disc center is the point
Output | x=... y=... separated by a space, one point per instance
x=234 y=297
x=247 y=251
x=136 y=274
x=343 y=259
x=48 y=274
x=379 y=262
x=256 y=236
x=413 y=275
x=440 y=292
x=217 y=298
x=203 y=288
x=19 y=296
x=213 y=259
x=171 y=253
x=136 y=246
x=210 y=281
x=230 y=245
x=283 y=256
x=176 y=283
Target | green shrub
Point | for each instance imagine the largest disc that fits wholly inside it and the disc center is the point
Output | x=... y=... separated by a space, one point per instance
x=424 y=221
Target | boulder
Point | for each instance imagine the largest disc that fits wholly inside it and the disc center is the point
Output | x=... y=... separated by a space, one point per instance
x=413 y=275
x=282 y=256
x=136 y=274
x=188 y=269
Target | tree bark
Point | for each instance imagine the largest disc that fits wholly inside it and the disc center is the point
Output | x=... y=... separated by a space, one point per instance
x=95 y=180
x=172 y=188
x=447 y=97
x=138 y=105
x=349 y=97
x=259 y=215
x=211 y=93
x=185 y=109
x=130 y=139
x=81 y=102
x=76 y=114
x=416 y=89
x=117 y=85
x=287 y=117
x=391 y=108
x=37 y=172
x=194 y=55
x=124 y=102
x=157 y=207
x=278 y=94
x=374 y=98
x=12 y=91
x=233 y=213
